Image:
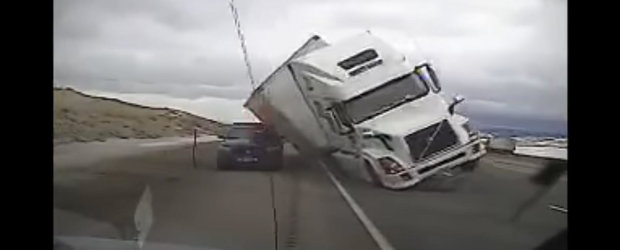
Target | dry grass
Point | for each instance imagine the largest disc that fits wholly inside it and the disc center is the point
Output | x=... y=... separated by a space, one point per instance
x=83 y=118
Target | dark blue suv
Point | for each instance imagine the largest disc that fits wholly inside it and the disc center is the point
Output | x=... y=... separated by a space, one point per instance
x=250 y=146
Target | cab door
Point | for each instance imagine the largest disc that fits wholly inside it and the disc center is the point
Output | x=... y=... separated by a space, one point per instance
x=331 y=116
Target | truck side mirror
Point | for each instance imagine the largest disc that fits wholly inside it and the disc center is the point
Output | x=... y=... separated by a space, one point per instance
x=455 y=100
x=434 y=78
x=342 y=127
x=341 y=117
x=426 y=72
x=346 y=120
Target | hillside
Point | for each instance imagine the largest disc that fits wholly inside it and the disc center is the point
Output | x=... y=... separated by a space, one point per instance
x=81 y=117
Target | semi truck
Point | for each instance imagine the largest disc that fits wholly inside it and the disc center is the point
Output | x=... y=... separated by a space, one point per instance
x=360 y=101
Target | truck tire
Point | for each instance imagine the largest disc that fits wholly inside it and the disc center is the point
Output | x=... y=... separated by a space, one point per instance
x=374 y=178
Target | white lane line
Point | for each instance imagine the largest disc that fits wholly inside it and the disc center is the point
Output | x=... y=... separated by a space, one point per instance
x=370 y=227
x=558 y=208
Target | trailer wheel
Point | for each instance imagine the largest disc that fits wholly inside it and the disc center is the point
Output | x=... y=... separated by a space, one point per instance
x=373 y=175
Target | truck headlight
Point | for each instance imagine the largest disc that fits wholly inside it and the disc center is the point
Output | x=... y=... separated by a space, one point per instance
x=390 y=166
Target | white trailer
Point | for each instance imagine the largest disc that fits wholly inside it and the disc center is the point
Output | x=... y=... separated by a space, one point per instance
x=280 y=103
x=363 y=102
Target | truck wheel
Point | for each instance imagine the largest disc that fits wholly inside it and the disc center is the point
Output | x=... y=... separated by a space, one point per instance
x=373 y=175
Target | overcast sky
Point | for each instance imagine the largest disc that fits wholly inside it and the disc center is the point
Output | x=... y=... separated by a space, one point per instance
x=508 y=58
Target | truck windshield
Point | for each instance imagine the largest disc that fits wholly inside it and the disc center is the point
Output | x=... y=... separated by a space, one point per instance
x=389 y=95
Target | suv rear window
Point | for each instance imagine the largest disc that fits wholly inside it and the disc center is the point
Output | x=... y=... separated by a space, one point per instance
x=240 y=133
x=255 y=133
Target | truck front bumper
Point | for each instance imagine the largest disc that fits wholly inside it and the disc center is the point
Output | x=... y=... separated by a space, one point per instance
x=452 y=158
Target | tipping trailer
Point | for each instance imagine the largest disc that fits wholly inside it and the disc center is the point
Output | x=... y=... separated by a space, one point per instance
x=363 y=102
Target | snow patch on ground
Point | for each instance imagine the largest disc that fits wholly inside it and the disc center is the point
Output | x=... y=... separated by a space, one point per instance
x=546 y=152
x=84 y=154
x=179 y=141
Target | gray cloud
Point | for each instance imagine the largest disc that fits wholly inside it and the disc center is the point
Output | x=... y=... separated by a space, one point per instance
x=507 y=57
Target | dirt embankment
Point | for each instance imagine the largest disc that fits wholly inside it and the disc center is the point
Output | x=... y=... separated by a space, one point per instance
x=81 y=117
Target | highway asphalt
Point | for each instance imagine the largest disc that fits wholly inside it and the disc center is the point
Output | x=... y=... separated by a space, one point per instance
x=200 y=207
x=466 y=211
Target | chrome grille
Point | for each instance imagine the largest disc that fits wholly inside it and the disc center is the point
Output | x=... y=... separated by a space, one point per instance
x=421 y=146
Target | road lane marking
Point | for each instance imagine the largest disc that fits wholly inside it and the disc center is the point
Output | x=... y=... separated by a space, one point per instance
x=374 y=232
x=558 y=208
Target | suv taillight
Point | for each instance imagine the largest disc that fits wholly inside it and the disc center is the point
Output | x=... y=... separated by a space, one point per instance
x=390 y=166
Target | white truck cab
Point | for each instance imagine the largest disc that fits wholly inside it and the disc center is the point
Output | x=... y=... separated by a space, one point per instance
x=379 y=111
